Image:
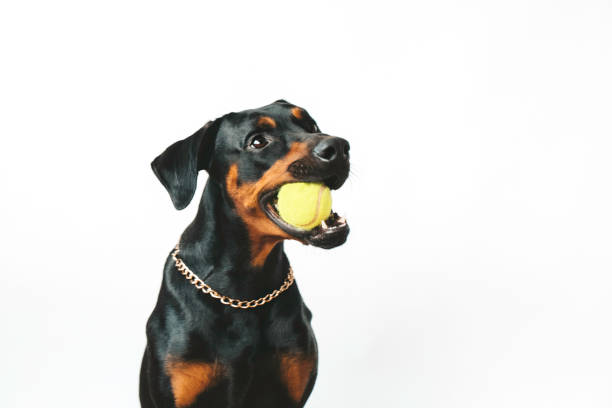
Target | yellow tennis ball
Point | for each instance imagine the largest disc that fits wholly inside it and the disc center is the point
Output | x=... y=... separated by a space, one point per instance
x=304 y=205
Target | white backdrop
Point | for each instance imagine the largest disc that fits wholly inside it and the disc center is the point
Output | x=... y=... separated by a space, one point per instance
x=478 y=270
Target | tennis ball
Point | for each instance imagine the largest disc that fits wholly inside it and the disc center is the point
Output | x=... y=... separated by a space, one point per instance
x=304 y=205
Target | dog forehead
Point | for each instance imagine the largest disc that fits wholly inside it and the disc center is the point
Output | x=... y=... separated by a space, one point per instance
x=275 y=112
x=236 y=126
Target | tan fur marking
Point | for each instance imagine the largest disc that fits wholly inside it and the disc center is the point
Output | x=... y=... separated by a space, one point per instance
x=190 y=379
x=263 y=233
x=295 y=370
x=297 y=112
x=266 y=121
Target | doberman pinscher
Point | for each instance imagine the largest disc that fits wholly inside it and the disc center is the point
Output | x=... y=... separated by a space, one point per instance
x=230 y=328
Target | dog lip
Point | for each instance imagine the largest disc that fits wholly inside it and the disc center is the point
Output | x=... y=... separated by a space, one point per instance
x=329 y=239
x=265 y=202
x=334 y=182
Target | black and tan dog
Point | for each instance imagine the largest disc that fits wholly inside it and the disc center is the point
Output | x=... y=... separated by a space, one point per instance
x=207 y=348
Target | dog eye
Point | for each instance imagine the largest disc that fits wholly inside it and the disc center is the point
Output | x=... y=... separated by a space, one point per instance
x=258 y=142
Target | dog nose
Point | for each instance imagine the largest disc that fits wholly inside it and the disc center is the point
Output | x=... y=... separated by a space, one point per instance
x=332 y=148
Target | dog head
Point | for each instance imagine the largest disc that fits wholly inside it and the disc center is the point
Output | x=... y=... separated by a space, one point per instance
x=251 y=154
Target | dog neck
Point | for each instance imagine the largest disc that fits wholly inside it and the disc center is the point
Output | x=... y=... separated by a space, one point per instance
x=216 y=247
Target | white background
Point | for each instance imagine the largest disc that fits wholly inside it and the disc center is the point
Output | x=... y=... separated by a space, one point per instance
x=478 y=270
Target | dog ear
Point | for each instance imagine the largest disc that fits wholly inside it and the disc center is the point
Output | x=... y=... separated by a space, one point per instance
x=177 y=167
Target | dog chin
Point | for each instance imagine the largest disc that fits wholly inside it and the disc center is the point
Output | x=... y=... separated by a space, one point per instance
x=332 y=236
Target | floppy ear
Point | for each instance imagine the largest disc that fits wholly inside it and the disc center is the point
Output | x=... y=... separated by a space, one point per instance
x=177 y=167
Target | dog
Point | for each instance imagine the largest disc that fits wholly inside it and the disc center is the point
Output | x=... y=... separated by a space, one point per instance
x=230 y=328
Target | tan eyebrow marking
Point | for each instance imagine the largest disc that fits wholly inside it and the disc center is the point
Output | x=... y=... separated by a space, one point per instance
x=297 y=112
x=266 y=121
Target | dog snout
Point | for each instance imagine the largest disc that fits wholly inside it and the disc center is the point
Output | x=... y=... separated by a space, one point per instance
x=330 y=160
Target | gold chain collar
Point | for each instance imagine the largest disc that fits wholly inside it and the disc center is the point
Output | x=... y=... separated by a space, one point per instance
x=236 y=303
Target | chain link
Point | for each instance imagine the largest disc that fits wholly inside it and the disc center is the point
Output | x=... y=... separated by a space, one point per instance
x=235 y=303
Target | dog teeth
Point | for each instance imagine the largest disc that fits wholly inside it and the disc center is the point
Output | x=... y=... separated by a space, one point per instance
x=323 y=224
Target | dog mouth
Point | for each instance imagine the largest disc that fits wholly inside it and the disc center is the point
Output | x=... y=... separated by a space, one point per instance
x=330 y=233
